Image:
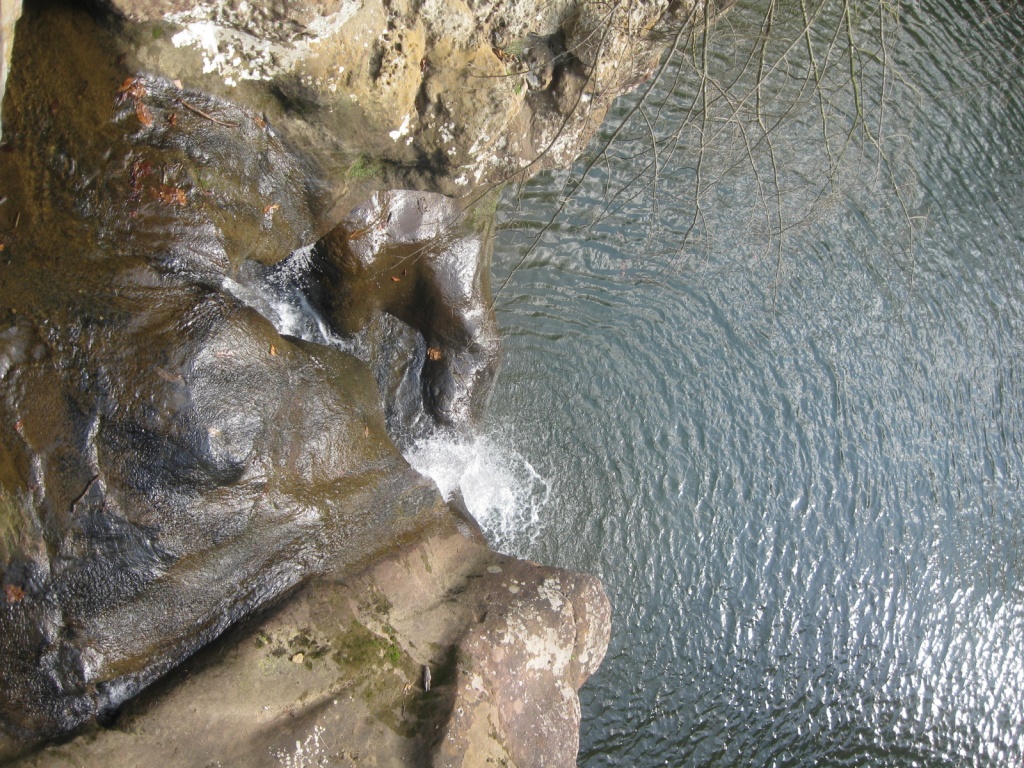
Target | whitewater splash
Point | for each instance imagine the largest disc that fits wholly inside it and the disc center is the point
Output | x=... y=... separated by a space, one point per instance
x=501 y=488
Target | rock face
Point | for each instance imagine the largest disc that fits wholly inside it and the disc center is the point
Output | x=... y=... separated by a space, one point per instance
x=437 y=95
x=338 y=675
x=168 y=461
x=405 y=253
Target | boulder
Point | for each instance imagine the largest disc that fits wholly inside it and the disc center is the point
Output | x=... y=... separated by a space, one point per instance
x=442 y=654
x=448 y=96
x=169 y=462
x=409 y=254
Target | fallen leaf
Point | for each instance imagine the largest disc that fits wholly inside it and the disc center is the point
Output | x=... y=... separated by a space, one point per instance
x=131 y=89
x=172 y=195
x=434 y=353
x=145 y=116
x=259 y=121
x=273 y=350
x=396 y=279
x=172 y=119
x=270 y=209
x=15 y=594
x=177 y=84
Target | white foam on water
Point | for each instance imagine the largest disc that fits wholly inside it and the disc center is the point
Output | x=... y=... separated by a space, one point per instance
x=500 y=487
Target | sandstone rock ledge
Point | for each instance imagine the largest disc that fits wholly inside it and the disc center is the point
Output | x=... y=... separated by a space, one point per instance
x=337 y=674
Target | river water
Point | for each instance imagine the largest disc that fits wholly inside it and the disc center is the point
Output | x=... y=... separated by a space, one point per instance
x=792 y=446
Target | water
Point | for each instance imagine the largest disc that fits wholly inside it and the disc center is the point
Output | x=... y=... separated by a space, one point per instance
x=793 y=447
x=501 y=489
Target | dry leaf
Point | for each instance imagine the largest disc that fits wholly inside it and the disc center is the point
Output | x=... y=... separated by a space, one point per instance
x=145 y=116
x=15 y=594
x=273 y=350
x=396 y=279
x=172 y=195
x=270 y=209
x=131 y=89
x=177 y=84
x=434 y=353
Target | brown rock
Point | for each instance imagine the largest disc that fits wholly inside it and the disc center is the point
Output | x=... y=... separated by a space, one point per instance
x=442 y=96
x=508 y=644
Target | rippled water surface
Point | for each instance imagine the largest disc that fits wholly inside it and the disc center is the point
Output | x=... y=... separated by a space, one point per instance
x=793 y=448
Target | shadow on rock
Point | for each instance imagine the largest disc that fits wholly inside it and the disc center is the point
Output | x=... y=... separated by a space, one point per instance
x=412 y=256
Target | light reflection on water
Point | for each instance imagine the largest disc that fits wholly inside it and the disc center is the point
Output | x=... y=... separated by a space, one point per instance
x=802 y=489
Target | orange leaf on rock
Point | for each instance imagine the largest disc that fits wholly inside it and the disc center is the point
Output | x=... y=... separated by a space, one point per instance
x=132 y=88
x=172 y=195
x=15 y=594
x=145 y=116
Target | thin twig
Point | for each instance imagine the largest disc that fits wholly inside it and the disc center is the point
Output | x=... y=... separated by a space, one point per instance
x=200 y=112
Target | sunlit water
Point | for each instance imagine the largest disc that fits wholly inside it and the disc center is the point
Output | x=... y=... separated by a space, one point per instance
x=797 y=471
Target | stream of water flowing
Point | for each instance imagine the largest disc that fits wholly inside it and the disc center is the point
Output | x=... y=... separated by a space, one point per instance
x=794 y=458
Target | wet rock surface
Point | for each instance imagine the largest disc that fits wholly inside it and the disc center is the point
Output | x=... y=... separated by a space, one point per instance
x=407 y=254
x=444 y=654
x=169 y=461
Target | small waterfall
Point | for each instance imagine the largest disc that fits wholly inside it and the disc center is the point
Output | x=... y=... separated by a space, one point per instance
x=500 y=487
